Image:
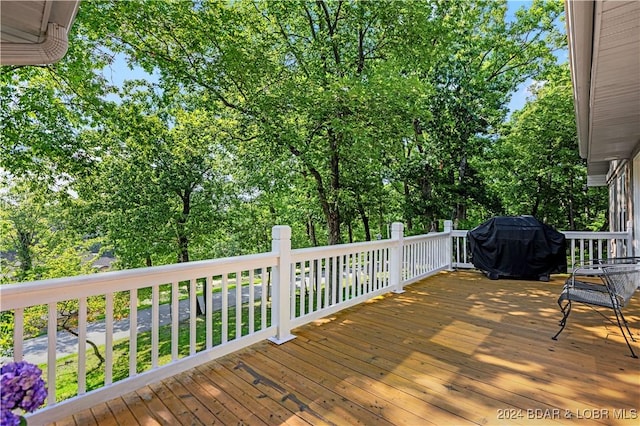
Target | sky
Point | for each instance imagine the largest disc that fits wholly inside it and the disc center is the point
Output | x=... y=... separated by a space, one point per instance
x=519 y=98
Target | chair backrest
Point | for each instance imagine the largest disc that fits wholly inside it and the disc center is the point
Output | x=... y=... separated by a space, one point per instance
x=622 y=281
x=594 y=266
x=617 y=261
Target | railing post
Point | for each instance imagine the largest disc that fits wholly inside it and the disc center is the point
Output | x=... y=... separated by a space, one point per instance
x=448 y=228
x=395 y=261
x=281 y=244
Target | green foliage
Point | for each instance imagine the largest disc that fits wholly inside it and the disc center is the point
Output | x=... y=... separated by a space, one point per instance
x=483 y=58
x=37 y=231
x=334 y=117
x=535 y=168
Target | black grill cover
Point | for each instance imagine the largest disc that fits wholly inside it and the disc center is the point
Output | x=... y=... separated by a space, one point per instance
x=519 y=247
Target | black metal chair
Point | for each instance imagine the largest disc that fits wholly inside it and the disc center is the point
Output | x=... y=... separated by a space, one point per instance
x=608 y=283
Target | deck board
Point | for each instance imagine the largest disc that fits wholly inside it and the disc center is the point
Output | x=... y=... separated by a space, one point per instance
x=121 y=412
x=455 y=348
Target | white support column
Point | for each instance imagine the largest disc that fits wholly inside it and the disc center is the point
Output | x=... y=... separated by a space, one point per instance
x=635 y=207
x=448 y=228
x=629 y=242
x=395 y=262
x=281 y=245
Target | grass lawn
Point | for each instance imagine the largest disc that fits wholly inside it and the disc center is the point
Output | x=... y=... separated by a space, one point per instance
x=67 y=367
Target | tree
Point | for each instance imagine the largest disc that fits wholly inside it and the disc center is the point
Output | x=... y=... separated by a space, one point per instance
x=485 y=58
x=45 y=107
x=358 y=94
x=159 y=179
x=36 y=225
x=36 y=228
x=535 y=167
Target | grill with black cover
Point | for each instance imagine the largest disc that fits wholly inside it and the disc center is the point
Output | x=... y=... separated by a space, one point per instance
x=518 y=247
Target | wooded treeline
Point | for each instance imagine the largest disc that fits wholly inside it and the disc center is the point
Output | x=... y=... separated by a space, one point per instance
x=334 y=117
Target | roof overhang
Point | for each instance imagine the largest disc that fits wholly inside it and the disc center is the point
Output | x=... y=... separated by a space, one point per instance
x=35 y=32
x=604 y=55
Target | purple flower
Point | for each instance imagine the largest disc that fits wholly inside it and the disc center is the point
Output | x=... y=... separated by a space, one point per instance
x=21 y=386
x=7 y=418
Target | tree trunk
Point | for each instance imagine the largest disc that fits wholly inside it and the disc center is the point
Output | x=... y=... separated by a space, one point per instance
x=333 y=223
x=536 y=204
x=461 y=205
x=333 y=219
x=183 y=239
x=25 y=242
x=407 y=200
x=311 y=231
x=365 y=221
x=572 y=223
x=73 y=315
x=329 y=198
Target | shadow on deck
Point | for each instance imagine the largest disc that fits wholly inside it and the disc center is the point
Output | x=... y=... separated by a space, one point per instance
x=455 y=348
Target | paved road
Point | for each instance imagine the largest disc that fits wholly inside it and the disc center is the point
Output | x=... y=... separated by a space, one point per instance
x=35 y=350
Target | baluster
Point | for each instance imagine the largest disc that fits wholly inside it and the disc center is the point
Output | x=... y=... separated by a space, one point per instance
x=599 y=242
x=263 y=298
x=108 y=339
x=302 y=292
x=356 y=274
x=82 y=345
x=133 y=332
x=312 y=284
x=385 y=267
x=323 y=282
x=208 y=303
x=334 y=280
x=252 y=303
x=175 y=319
x=343 y=288
x=52 y=342
x=193 y=301
x=18 y=334
x=155 y=324
x=238 y=304
x=374 y=267
x=225 y=308
x=414 y=260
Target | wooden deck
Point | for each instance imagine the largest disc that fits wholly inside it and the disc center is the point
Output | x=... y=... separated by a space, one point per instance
x=455 y=348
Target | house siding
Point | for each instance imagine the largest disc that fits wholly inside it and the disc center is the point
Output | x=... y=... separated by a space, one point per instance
x=624 y=201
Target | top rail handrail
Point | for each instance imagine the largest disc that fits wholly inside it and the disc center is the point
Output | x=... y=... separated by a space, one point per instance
x=426 y=236
x=588 y=235
x=459 y=232
x=326 y=251
x=56 y=289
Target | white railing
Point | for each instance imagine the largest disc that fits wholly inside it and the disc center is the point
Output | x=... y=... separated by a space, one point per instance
x=461 y=250
x=206 y=339
x=328 y=279
x=582 y=246
x=241 y=300
x=425 y=255
x=586 y=246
